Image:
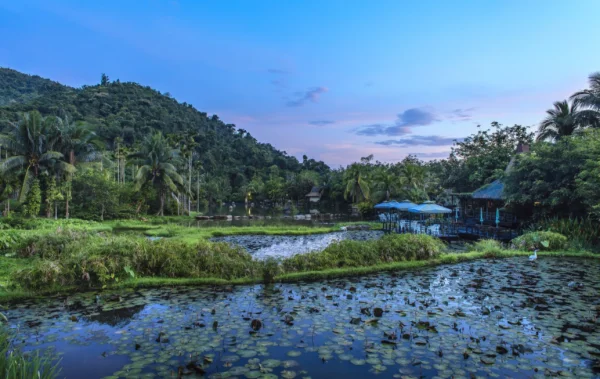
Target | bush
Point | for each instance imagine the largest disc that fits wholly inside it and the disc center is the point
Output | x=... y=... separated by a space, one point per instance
x=347 y=253
x=491 y=248
x=546 y=241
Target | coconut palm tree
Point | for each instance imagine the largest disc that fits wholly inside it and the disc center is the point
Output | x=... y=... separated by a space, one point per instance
x=31 y=151
x=77 y=142
x=357 y=185
x=412 y=181
x=157 y=161
x=589 y=102
x=386 y=181
x=563 y=120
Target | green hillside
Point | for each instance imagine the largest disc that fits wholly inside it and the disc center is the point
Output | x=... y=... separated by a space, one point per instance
x=124 y=113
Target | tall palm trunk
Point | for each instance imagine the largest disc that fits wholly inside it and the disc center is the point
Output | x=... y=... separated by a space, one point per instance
x=69 y=177
x=161 y=211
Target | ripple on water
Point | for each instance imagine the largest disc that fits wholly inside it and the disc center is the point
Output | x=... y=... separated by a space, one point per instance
x=503 y=318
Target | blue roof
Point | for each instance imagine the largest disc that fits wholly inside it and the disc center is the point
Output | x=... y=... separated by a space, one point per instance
x=429 y=207
x=492 y=191
x=393 y=204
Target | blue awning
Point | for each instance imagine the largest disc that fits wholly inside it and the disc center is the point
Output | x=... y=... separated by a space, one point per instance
x=393 y=204
x=429 y=207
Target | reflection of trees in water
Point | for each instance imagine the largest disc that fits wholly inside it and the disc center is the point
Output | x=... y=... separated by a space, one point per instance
x=114 y=317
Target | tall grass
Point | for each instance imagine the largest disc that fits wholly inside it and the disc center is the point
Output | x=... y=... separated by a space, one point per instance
x=17 y=365
x=582 y=233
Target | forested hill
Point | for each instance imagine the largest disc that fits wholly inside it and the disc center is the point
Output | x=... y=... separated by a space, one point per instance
x=123 y=113
x=19 y=88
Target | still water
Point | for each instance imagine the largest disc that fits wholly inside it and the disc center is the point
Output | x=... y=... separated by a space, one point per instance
x=504 y=318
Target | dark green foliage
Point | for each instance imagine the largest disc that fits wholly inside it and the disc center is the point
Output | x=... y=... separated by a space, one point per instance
x=33 y=200
x=19 y=88
x=483 y=157
x=130 y=112
x=545 y=241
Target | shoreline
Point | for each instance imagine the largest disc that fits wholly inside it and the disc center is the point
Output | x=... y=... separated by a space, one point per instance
x=160 y=282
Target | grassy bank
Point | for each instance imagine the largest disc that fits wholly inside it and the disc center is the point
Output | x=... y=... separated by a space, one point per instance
x=56 y=257
x=7 y=296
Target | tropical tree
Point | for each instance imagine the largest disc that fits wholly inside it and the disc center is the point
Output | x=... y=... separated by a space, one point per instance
x=157 y=158
x=563 y=120
x=31 y=151
x=412 y=181
x=357 y=184
x=77 y=142
x=386 y=181
x=589 y=101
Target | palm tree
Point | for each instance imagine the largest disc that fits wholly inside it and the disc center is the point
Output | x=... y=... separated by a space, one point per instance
x=589 y=101
x=28 y=142
x=357 y=185
x=77 y=142
x=386 y=181
x=412 y=181
x=563 y=120
x=157 y=159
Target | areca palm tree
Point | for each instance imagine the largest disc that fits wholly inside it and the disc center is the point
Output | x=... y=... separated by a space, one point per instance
x=157 y=159
x=31 y=151
x=563 y=120
x=357 y=185
x=589 y=101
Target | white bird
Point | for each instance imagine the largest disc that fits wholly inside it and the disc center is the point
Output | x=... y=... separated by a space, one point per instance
x=534 y=256
x=343 y=228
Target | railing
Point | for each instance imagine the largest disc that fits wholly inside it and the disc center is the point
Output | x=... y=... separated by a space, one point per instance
x=447 y=230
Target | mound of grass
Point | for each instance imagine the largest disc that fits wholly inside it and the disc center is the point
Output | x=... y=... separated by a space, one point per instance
x=544 y=241
x=348 y=253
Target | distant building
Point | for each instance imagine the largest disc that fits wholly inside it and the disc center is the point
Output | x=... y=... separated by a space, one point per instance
x=314 y=196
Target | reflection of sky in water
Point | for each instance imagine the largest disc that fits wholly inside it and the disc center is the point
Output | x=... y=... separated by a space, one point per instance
x=533 y=314
x=262 y=247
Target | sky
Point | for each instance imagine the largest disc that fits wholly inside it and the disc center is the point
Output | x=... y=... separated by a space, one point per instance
x=335 y=80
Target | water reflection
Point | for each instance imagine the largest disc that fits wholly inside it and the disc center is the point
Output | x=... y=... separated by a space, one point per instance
x=505 y=318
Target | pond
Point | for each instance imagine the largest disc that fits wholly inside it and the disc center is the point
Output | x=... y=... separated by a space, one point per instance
x=503 y=318
x=262 y=247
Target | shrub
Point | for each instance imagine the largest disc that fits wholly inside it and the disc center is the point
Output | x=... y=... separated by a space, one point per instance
x=409 y=247
x=270 y=269
x=491 y=248
x=548 y=241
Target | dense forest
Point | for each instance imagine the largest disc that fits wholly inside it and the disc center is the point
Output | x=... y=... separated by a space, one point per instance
x=119 y=149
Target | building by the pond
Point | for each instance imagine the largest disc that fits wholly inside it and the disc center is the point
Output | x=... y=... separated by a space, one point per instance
x=487 y=205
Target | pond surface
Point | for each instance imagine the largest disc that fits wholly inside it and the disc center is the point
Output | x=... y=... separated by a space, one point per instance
x=262 y=247
x=504 y=318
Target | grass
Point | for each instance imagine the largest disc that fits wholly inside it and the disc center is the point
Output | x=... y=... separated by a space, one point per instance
x=60 y=257
x=17 y=365
x=314 y=275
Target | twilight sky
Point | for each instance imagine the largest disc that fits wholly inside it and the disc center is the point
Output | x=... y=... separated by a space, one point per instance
x=336 y=80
